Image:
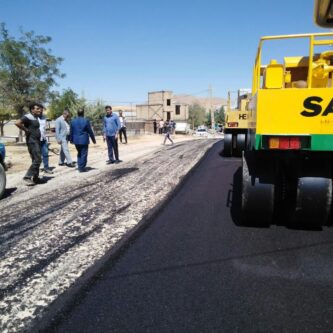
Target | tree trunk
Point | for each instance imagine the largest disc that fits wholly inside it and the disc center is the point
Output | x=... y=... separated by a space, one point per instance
x=20 y=111
x=2 y=125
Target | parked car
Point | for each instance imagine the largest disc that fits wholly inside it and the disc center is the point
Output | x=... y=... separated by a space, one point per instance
x=201 y=132
x=182 y=128
x=2 y=169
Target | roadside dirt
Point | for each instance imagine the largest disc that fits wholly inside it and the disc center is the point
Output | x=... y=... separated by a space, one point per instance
x=19 y=160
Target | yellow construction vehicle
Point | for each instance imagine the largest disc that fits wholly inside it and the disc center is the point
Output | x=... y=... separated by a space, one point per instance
x=237 y=122
x=287 y=166
x=323 y=13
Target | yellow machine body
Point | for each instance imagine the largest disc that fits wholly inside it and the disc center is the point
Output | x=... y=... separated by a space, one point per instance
x=238 y=117
x=295 y=97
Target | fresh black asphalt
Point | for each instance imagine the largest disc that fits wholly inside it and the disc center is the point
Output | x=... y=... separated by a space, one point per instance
x=195 y=270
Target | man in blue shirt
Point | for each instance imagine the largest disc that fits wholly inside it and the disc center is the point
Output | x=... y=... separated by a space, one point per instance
x=111 y=127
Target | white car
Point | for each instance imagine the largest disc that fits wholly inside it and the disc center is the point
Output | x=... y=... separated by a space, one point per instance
x=201 y=132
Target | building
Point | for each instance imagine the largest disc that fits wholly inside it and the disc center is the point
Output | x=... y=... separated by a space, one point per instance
x=162 y=106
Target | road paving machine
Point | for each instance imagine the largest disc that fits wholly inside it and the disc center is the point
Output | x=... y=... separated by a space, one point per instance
x=287 y=166
x=237 y=122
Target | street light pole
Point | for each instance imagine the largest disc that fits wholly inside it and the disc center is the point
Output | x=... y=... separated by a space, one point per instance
x=212 y=117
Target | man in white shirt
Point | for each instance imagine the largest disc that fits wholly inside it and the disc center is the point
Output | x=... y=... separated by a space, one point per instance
x=160 y=128
x=122 y=128
x=44 y=143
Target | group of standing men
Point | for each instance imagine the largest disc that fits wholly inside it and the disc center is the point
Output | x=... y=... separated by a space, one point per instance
x=77 y=132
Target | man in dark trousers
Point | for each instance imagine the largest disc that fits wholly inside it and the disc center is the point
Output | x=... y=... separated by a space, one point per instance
x=122 y=127
x=29 y=123
x=111 y=127
x=155 y=126
x=80 y=132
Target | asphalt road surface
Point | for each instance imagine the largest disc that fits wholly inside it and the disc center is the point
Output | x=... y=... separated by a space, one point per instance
x=55 y=236
x=195 y=270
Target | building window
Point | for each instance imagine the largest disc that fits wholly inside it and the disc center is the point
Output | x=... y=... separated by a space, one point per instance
x=177 y=109
x=168 y=102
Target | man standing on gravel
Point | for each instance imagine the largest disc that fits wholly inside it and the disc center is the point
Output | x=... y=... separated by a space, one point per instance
x=122 y=128
x=44 y=144
x=62 y=135
x=160 y=126
x=30 y=125
x=111 y=127
x=79 y=135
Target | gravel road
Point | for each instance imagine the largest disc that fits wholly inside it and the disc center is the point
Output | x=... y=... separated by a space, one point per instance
x=50 y=235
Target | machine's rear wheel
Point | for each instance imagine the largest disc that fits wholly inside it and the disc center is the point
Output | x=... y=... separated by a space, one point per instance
x=313 y=202
x=240 y=143
x=227 y=145
x=2 y=180
x=257 y=195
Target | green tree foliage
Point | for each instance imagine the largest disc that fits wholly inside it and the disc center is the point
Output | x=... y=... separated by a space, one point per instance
x=69 y=100
x=27 y=69
x=220 y=116
x=197 y=115
x=5 y=116
x=95 y=113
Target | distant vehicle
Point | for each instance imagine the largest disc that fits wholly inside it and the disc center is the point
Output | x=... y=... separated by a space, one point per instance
x=182 y=128
x=2 y=169
x=201 y=132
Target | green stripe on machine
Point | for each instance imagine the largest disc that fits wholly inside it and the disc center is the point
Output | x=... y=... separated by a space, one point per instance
x=318 y=142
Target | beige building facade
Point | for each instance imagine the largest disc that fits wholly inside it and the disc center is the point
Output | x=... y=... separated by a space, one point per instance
x=162 y=106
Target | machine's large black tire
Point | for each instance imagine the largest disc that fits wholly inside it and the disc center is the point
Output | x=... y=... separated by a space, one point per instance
x=313 y=202
x=240 y=143
x=2 y=180
x=257 y=195
x=227 y=151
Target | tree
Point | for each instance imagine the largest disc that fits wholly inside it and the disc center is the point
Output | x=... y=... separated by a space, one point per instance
x=27 y=69
x=197 y=115
x=5 y=116
x=69 y=100
x=95 y=113
x=220 y=116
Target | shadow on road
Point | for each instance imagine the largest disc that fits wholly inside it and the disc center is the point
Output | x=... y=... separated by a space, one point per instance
x=234 y=200
x=9 y=192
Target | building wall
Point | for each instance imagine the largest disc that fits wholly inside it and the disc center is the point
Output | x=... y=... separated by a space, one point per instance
x=159 y=104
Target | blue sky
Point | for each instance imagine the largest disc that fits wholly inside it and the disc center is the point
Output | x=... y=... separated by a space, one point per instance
x=120 y=50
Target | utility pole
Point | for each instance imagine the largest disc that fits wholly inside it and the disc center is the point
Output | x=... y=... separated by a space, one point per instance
x=210 y=93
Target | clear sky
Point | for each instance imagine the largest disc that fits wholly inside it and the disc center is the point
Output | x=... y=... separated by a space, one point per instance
x=118 y=50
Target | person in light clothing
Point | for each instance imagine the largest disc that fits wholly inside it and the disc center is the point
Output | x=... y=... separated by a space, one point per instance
x=160 y=126
x=44 y=145
x=62 y=135
x=122 y=128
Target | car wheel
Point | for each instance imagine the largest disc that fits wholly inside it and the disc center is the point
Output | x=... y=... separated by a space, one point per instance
x=2 y=180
